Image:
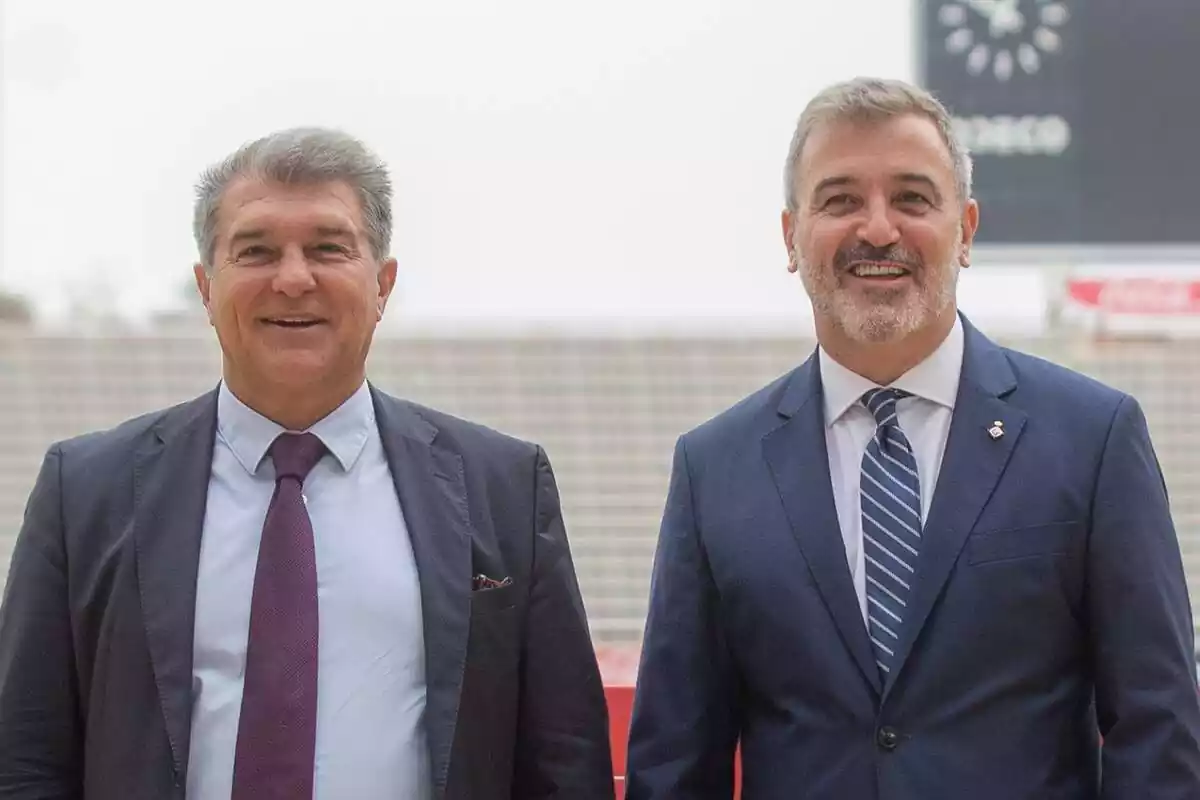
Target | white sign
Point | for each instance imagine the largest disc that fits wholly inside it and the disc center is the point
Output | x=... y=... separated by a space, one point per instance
x=1004 y=135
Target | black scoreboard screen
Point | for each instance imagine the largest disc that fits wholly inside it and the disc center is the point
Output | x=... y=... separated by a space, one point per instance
x=1083 y=116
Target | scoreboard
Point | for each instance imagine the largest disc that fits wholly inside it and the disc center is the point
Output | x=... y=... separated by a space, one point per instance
x=1083 y=116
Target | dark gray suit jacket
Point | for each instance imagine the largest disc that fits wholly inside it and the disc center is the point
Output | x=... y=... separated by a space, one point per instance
x=97 y=622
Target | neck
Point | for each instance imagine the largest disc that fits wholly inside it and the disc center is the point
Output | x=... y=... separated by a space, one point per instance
x=883 y=362
x=291 y=407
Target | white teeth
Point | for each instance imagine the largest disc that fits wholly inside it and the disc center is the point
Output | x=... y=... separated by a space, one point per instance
x=877 y=270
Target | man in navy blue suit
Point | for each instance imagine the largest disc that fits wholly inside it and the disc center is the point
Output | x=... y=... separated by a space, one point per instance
x=921 y=565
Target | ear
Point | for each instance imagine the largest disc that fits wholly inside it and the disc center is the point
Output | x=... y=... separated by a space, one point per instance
x=204 y=286
x=788 y=223
x=969 y=225
x=387 y=282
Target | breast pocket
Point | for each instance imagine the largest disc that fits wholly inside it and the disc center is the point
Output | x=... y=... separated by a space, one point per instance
x=491 y=678
x=488 y=601
x=1020 y=593
x=1011 y=544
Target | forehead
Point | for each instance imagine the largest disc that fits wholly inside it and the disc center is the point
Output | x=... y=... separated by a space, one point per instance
x=876 y=150
x=262 y=205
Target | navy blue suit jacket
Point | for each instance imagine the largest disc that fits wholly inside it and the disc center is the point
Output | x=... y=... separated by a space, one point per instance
x=1050 y=608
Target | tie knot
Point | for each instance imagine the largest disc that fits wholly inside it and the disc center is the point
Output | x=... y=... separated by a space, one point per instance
x=295 y=454
x=882 y=404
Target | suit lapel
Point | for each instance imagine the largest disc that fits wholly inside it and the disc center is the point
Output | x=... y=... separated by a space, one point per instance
x=798 y=458
x=171 y=473
x=971 y=468
x=430 y=484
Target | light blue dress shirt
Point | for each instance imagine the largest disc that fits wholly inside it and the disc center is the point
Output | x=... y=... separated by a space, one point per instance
x=371 y=740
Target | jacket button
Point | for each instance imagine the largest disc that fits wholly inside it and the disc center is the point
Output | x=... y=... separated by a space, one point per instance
x=887 y=738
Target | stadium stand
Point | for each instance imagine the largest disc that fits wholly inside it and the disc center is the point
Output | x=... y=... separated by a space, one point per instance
x=607 y=410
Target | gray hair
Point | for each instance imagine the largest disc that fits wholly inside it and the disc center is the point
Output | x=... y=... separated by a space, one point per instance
x=873 y=100
x=299 y=156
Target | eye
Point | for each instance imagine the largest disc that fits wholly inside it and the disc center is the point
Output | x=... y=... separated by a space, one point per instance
x=252 y=253
x=913 y=199
x=332 y=248
x=838 y=203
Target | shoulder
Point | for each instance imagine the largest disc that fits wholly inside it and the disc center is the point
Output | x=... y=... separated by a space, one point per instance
x=746 y=421
x=1049 y=387
x=1032 y=383
x=472 y=440
x=500 y=472
x=121 y=440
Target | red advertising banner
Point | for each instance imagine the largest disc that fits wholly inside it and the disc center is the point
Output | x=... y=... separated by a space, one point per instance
x=1135 y=300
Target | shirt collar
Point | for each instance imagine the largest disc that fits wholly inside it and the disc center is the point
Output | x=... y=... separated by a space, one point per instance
x=934 y=379
x=249 y=434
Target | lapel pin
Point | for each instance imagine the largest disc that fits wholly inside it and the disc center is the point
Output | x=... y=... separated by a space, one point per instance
x=997 y=429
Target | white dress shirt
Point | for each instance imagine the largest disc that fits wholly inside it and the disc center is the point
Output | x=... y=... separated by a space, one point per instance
x=371 y=740
x=849 y=426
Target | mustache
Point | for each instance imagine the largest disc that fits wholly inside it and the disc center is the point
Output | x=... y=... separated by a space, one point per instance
x=865 y=252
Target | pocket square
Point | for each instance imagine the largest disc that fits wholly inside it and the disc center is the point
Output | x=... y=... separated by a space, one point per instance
x=482 y=581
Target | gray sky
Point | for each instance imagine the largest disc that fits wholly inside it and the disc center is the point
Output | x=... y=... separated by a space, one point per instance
x=552 y=158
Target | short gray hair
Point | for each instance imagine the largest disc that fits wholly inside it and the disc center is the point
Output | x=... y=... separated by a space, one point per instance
x=299 y=156
x=874 y=100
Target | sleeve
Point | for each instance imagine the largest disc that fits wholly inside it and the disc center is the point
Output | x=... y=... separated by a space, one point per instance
x=563 y=749
x=1140 y=625
x=41 y=736
x=684 y=730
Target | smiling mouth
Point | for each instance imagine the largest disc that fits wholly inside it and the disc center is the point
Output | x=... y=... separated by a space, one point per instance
x=878 y=270
x=293 y=323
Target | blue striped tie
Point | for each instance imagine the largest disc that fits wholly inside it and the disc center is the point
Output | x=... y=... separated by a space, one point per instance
x=891 y=521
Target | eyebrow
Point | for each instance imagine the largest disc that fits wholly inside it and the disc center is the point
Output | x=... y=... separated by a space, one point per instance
x=334 y=231
x=257 y=234
x=246 y=236
x=838 y=181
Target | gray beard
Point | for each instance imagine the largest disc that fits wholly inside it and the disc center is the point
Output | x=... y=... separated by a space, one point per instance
x=880 y=322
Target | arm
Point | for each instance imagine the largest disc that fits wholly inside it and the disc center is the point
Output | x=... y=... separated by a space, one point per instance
x=41 y=738
x=684 y=729
x=1140 y=625
x=563 y=749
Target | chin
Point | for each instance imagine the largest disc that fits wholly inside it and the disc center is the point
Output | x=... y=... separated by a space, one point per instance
x=882 y=325
x=298 y=371
x=875 y=332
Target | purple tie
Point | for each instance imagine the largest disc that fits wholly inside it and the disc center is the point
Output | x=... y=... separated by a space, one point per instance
x=277 y=729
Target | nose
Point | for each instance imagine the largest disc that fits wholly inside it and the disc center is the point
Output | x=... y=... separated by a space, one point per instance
x=293 y=276
x=878 y=228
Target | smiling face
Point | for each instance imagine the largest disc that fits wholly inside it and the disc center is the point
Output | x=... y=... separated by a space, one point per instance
x=879 y=233
x=294 y=294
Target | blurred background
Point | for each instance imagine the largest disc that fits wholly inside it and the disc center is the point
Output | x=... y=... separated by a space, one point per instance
x=587 y=212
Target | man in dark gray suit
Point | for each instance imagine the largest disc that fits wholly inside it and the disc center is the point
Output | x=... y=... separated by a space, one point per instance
x=296 y=585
